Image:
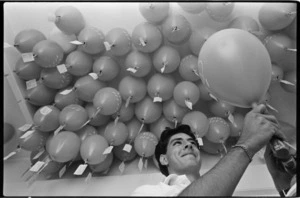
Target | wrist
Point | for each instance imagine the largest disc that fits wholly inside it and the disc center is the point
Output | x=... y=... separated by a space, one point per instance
x=245 y=149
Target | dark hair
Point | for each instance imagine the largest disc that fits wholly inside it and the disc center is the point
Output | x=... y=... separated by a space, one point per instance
x=161 y=147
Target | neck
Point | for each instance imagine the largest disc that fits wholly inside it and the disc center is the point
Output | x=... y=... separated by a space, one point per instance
x=193 y=177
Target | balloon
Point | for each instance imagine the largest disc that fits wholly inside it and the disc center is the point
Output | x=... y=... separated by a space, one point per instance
x=147 y=111
x=176 y=29
x=186 y=92
x=66 y=97
x=161 y=86
x=69 y=20
x=243 y=63
x=173 y=112
x=35 y=141
x=92 y=148
x=79 y=63
x=85 y=132
x=138 y=64
x=159 y=126
x=132 y=89
x=244 y=22
x=266 y=99
x=98 y=119
x=290 y=76
x=125 y=113
x=236 y=127
x=221 y=109
x=52 y=78
x=103 y=166
x=166 y=59
x=219 y=11
x=276 y=16
x=92 y=39
x=123 y=155
x=146 y=37
x=134 y=126
x=277 y=73
x=46 y=118
x=193 y=8
x=145 y=143
x=72 y=117
x=26 y=39
x=47 y=53
x=291 y=30
x=211 y=147
x=101 y=130
x=197 y=121
x=204 y=93
x=64 y=146
x=108 y=100
x=188 y=68
x=8 y=132
x=116 y=134
x=106 y=68
x=119 y=41
x=27 y=71
x=218 y=130
x=198 y=37
x=154 y=12
x=86 y=87
x=63 y=40
x=40 y=95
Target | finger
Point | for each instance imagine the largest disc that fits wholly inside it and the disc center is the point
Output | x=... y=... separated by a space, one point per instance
x=271 y=118
x=280 y=135
x=259 y=109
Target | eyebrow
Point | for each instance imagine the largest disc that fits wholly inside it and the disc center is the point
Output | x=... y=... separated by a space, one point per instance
x=175 y=139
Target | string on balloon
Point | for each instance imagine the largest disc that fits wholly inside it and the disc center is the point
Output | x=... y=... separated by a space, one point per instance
x=92 y=117
x=165 y=64
x=175 y=121
x=290 y=49
x=59 y=128
x=128 y=100
x=175 y=28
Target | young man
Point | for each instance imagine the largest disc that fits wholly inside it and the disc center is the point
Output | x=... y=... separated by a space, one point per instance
x=178 y=156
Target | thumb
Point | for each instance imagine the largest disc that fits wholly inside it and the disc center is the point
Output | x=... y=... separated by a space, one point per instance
x=260 y=109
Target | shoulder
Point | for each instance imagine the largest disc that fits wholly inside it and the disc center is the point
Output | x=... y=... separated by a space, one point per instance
x=148 y=190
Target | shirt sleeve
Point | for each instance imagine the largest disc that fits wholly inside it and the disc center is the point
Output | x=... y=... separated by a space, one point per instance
x=147 y=190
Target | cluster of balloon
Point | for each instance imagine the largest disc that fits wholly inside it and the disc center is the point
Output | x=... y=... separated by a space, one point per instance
x=186 y=94
x=174 y=112
x=126 y=155
x=223 y=110
x=138 y=63
x=166 y=59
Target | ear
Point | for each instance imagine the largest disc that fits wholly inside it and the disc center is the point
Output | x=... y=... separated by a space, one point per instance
x=163 y=160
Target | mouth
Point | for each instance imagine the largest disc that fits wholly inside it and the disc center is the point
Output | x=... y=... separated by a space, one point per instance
x=188 y=154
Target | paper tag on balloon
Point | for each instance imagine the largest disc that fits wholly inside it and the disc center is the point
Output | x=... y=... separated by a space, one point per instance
x=140 y=165
x=122 y=167
x=287 y=82
x=142 y=42
x=88 y=177
x=45 y=110
x=62 y=171
x=31 y=84
x=157 y=99
x=62 y=68
x=146 y=164
x=231 y=118
x=108 y=150
x=76 y=42
x=27 y=57
x=200 y=141
x=162 y=70
x=189 y=104
x=127 y=148
x=133 y=70
x=94 y=76
x=58 y=129
x=81 y=168
x=107 y=46
x=39 y=154
x=25 y=127
x=37 y=166
x=66 y=92
x=213 y=97
x=27 y=134
x=268 y=105
x=9 y=155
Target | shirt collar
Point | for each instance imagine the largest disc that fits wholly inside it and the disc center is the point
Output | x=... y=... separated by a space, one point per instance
x=174 y=179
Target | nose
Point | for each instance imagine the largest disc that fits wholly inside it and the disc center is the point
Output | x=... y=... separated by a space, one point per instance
x=188 y=145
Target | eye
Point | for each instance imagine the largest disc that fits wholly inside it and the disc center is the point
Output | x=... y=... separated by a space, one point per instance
x=193 y=142
x=177 y=142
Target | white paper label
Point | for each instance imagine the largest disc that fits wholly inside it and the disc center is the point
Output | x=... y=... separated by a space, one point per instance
x=62 y=171
x=189 y=104
x=107 y=46
x=140 y=165
x=287 y=82
x=200 y=141
x=45 y=110
x=31 y=84
x=122 y=167
x=37 y=166
x=88 y=178
x=213 y=97
x=146 y=164
x=142 y=42
x=76 y=42
x=66 y=92
x=81 y=168
x=133 y=70
x=9 y=155
x=28 y=133
x=25 y=127
x=127 y=148
x=94 y=76
x=268 y=105
x=62 y=68
x=39 y=154
x=231 y=118
x=108 y=150
x=27 y=57
x=157 y=99
x=162 y=70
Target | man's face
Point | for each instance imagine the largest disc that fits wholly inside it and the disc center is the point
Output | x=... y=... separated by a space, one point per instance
x=182 y=155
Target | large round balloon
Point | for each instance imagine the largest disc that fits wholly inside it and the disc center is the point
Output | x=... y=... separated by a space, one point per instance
x=186 y=94
x=221 y=109
x=125 y=113
x=103 y=166
x=106 y=68
x=154 y=12
x=8 y=132
x=161 y=86
x=159 y=126
x=218 y=130
x=46 y=118
x=276 y=16
x=174 y=112
x=290 y=76
x=116 y=133
x=26 y=39
x=69 y=20
x=193 y=8
x=72 y=117
x=145 y=143
x=198 y=37
x=66 y=97
x=64 y=146
x=166 y=59
x=48 y=53
x=204 y=92
x=146 y=37
x=188 y=68
x=40 y=95
x=123 y=155
x=134 y=127
x=92 y=39
x=132 y=89
x=52 y=78
x=197 y=121
x=97 y=119
x=176 y=29
x=92 y=148
x=148 y=111
x=108 y=100
x=244 y=22
x=28 y=70
x=35 y=141
x=236 y=67
x=237 y=126
x=138 y=63
x=118 y=41
x=86 y=87
x=63 y=40
x=219 y=11
x=79 y=63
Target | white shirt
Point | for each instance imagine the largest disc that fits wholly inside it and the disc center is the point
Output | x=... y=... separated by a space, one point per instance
x=171 y=186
